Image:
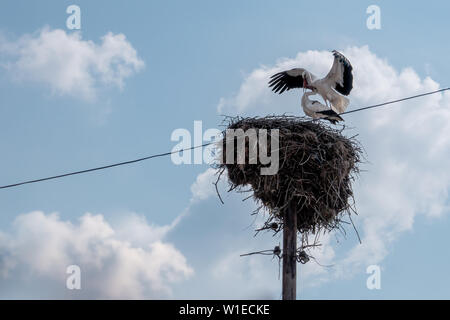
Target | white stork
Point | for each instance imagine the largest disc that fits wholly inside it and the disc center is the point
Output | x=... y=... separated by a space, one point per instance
x=317 y=110
x=333 y=87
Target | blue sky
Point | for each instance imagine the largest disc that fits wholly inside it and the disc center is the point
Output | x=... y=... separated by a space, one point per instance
x=193 y=54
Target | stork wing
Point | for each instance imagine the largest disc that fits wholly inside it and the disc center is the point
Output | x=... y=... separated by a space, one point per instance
x=286 y=80
x=340 y=76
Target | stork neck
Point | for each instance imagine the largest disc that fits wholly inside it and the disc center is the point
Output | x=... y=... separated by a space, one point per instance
x=308 y=77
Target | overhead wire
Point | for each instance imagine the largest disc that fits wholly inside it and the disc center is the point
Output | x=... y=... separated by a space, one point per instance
x=194 y=147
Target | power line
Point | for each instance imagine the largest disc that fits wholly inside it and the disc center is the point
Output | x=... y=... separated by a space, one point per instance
x=103 y=167
x=192 y=148
x=394 y=101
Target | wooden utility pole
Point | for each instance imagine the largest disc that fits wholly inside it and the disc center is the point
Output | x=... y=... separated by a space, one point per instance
x=290 y=253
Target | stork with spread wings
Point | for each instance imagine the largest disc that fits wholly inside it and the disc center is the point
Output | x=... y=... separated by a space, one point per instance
x=332 y=88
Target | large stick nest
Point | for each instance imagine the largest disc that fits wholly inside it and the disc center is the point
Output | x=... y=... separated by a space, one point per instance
x=316 y=167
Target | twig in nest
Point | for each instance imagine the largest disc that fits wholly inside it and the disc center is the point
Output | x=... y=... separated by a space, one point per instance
x=322 y=265
x=356 y=230
x=217 y=181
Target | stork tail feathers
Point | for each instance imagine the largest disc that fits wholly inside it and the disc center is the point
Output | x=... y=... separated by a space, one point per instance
x=331 y=116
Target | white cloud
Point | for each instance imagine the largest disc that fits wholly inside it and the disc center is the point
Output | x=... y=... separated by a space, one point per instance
x=124 y=259
x=407 y=145
x=69 y=65
x=113 y=263
x=238 y=277
x=203 y=187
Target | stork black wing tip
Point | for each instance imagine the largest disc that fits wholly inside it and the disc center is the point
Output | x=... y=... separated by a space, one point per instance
x=276 y=74
x=345 y=61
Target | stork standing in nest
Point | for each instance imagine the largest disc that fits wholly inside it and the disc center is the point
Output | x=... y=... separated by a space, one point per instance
x=317 y=110
x=332 y=88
